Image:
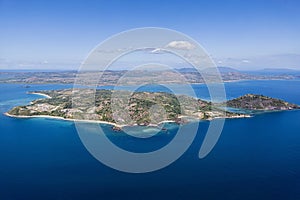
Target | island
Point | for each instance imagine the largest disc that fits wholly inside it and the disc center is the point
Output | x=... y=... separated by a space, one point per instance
x=125 y=108
x=137 y=77
x=260 y=103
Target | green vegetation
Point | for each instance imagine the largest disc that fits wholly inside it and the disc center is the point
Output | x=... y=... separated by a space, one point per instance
x=260 y=102
x=143 y=108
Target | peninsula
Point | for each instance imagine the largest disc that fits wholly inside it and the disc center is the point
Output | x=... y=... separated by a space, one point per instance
x=141 y=108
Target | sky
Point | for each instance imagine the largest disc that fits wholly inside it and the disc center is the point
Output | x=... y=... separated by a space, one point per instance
x=59 y=34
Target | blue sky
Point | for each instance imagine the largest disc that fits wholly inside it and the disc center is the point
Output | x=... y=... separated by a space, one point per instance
x=59 y=34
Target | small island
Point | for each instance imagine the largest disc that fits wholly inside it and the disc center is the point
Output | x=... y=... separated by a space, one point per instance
x=142 y=108
x=260 y=103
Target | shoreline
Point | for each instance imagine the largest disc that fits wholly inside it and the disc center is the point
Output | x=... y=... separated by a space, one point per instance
x=85 y=120
x=65 y=119
x=225 y=81
x=114 y=124
x=40 y=94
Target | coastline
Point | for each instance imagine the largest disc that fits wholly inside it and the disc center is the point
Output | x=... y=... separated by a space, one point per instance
x=84 y=120
x=111 y=123
x=65 y=119
x=40 y=94
x=180 y=119
x=225 y=81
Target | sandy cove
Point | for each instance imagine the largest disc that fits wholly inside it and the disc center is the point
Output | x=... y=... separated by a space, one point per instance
x=40 y=94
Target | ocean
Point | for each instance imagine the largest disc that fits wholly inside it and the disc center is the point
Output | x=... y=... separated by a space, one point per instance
x=255 y=158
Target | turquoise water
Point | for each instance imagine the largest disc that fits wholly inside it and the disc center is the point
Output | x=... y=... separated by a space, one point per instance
x=255 y=158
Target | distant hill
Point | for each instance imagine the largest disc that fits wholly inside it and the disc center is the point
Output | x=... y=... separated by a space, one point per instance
x=221 y=69
x=227 y=69
x=274 y=71
x=186 y=70
x=280 y=71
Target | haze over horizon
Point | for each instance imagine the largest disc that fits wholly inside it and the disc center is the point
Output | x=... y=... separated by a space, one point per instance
x=60 y=34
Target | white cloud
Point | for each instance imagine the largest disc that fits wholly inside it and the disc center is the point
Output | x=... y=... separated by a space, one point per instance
x=245 y=61
x=182 y=45
x=158 y=51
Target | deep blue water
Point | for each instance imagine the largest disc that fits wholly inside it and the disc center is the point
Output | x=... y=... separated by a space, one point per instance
x=255 y=158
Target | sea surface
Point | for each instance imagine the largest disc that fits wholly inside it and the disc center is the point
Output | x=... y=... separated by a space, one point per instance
x=255 y=158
